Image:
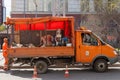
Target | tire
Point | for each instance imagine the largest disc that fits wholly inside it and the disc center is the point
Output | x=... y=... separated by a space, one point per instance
x=100 y=65
x=42 y=67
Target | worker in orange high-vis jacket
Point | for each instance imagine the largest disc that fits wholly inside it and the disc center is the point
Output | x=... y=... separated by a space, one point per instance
x=5 y=54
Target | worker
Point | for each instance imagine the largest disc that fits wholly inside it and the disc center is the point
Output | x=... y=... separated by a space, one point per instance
x=86 y=39
x=58 y=38
x=5 y=55
x=46 y=40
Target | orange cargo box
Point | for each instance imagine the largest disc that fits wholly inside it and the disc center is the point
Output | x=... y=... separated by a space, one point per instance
x=40 y=52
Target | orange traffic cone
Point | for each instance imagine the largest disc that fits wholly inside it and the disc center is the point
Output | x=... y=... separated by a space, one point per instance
x=35 y=76
x=66 y=72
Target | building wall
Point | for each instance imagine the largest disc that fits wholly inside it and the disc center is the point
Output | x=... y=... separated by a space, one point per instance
x=1 y=11
x=40 y=8
x=72 y=6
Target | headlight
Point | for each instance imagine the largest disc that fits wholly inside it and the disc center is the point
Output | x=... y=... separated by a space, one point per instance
x=115 y=52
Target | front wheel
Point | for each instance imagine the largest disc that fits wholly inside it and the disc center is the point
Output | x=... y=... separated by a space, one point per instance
x=42 y=67
x=100 y=65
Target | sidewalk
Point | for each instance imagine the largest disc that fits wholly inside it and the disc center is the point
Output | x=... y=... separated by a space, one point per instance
x=0 y=50
x=1 y=58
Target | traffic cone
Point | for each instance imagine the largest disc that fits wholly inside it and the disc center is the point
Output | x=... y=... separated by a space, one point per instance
x=35 y=76
x=66 y=72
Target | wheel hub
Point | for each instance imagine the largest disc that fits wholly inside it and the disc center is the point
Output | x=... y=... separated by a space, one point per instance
x=40 y=67
x=101 y=66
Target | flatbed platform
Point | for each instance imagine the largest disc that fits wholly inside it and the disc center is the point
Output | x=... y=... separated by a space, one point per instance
x=40 y=52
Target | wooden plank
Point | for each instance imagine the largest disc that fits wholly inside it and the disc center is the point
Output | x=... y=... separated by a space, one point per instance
x=40 y=52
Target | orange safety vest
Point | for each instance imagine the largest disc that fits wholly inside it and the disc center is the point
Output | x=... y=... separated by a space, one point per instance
x=5 y=55
x=4 y=48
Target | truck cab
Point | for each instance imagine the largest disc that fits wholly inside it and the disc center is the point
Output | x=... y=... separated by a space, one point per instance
x=92 y=50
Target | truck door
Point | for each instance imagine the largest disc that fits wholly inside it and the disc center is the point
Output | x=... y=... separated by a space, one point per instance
x=88 y=47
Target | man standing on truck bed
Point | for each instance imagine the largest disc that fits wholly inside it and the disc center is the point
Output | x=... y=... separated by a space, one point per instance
x=5 y=55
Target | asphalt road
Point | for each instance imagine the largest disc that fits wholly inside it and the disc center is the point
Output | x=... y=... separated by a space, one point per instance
x=57 y=74
x=84 y=74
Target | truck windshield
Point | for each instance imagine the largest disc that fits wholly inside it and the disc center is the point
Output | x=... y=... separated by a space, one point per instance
x=102 y=42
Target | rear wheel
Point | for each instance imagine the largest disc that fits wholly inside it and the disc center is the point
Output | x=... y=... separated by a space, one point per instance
x=42 y=67
x=100 y=65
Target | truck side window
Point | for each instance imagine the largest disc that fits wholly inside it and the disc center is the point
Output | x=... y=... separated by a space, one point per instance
x=89 y=39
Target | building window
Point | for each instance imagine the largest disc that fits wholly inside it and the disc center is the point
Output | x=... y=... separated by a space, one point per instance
x=35 y=5
x=47 y=5
x=18 y=6
x=31 y=5
x=42 y=5
x=85 y=5
x=74 y=5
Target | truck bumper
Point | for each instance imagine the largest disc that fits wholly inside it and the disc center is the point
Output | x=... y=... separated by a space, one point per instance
x=113 y=60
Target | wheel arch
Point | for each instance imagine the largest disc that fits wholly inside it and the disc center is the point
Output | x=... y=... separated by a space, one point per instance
x=46 y=59
x=100 y=57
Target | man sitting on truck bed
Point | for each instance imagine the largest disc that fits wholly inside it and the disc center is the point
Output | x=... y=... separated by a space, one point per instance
x=46 y=40
x=58 y=38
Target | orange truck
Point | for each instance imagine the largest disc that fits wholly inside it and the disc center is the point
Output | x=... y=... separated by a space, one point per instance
x=82 y=46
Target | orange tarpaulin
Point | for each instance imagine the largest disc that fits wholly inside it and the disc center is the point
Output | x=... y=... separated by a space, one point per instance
x=42 y=26
x=48 y=26
x=22 y=27
x=44 y=23
x=38 y=26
